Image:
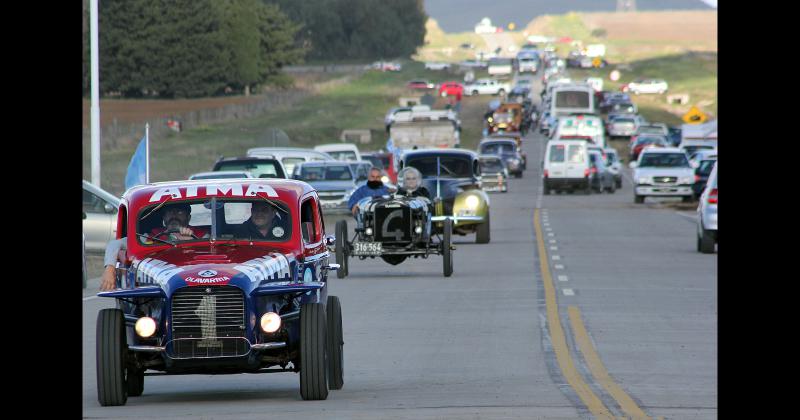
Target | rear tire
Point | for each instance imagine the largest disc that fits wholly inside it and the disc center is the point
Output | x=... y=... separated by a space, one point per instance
x=335 y=343
x=587 y=190
x=705 y=242
x=341 y=248
x=638 y=199
x=483 y=233
x=313 y=366
x=447 y=251
x=112 y=346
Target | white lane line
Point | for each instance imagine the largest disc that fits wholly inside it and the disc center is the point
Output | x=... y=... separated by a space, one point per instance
x=554 y=248
x=559 y=266
x=552 y=241
x=89 y=298
x=568 y=292
x=556 y=257
x=545 y=224
x=551 y=234
x=563 y=278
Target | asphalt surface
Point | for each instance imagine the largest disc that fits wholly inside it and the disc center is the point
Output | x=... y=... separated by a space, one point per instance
x=480 y=344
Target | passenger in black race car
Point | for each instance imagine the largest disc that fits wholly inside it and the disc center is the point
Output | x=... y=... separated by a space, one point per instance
x=411 y=183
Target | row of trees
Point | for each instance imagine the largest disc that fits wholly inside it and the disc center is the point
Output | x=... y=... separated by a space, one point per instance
x=358 y=29
x=193 y=48
x=190 y=48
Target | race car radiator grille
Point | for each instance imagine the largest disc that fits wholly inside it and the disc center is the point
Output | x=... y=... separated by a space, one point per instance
x=665 y=179
x=208 y=322
x=392 y=224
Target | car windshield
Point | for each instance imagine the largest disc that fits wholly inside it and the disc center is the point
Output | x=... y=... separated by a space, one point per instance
x=706 y=166
x=664 y=160
x=497 y=148
x=240 y=219
x=259 y=169
x=651 y=140
x=491 y=166
x=325 y=173
x=502 y=118
x=290 y=162
x=376 y=161
x=449 y=166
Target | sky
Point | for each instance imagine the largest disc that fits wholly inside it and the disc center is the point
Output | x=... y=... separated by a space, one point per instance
x=462 y=15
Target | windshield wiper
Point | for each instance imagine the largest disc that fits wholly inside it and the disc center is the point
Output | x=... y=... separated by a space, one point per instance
x=156 y=239
x=441 y=165
x=157 y=207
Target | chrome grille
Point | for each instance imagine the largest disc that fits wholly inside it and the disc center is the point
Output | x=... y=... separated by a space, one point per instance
x=208 y=322
x=665 y=179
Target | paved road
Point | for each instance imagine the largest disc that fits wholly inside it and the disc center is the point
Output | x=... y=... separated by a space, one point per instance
x=624 y=320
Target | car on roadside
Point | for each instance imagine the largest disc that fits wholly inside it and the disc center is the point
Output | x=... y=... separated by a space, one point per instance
x=701 y=174
x=707 y=236
x=662 y=172
x=494 y=173
x=386 y=66
x=221 y=175
x=289 y=156
x=451 y=89
x=600 y=177
x=100 y=209
x=614 y=165
x=224 y=303
x=333 y=180
x=641 y=85
x=420 y=85
x=487 y=87
x=453 y=178
x=436 y=65
x=259 y=167
x=646 y=141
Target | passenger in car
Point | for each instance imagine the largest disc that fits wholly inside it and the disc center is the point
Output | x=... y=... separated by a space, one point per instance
x=265 y=223
x=411 y=183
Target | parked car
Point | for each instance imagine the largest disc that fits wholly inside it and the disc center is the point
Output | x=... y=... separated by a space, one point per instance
x=614 y=165
x=259 y=167
x=707 y=235
x=487 y=87
x=420 y=85
x=662 y=172
x=507 y=150
x=600 y=177
x=289 y=156
x=228 y=303
x=334 y=182
x=340 y=151
x=566 y=166
x=646 y=141
x=100 y=209
x=453 y=177
x=221 y=175
x=436 y=65
x=494 y=173
x=451 y=89
x=386 y=66
x=701 y=175
x=640 y=86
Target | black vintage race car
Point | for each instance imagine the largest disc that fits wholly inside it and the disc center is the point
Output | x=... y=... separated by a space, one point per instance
x=395 y=227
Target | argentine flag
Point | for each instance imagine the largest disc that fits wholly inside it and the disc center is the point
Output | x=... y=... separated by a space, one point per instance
x=137 y=169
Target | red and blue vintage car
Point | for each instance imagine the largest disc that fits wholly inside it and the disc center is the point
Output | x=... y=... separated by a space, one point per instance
x=245 y=292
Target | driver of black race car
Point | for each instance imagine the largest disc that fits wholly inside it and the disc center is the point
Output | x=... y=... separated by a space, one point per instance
x=411 y=183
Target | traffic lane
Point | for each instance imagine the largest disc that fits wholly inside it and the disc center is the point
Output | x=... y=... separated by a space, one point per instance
x=415 y=342
x=648 y=298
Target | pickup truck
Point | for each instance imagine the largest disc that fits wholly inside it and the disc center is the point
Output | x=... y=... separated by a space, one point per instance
x=487 y=87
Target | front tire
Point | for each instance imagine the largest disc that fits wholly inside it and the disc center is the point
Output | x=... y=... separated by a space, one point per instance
x=483 y=233
x=313 y=366
x=447 y=251
x=341 y=248
x=638 y=199
x=112 y=388
x=335 y=343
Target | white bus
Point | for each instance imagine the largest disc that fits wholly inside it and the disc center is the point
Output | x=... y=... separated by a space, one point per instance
x=573 y=99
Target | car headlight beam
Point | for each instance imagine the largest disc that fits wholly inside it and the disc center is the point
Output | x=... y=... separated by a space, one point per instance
x=270 y=322
x=145 y=326
x=472 y=202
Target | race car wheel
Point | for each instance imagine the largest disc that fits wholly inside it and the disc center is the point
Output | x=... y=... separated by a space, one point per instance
x=111 y=350
x=482 y=234
x=341 y=248
x=313 y=366
x=447 y=252
x=135 y=382
x=335 y=343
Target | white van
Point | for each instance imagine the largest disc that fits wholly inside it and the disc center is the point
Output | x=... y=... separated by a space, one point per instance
x=589 y=127
x=340 y=151
x=573 y=99
x=566 y=166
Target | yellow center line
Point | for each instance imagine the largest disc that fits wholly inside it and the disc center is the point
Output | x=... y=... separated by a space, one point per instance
x=558 y=339
x=599 y=370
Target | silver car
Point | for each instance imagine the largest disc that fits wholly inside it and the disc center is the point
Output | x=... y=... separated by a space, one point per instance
x=334 y=181
x=707 y=216
x=100 y=217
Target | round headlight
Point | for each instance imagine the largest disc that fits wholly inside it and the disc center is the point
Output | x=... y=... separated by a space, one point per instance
x=270 y=322
x=368 y=231
x=644 y=180
x=472 y=202
x=418 y=230
x=145 y=326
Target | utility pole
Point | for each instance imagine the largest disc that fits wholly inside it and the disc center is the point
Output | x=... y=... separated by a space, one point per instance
x=95 y=85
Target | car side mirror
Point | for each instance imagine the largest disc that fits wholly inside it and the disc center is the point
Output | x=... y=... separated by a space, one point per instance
x=632 y=165
x=308 y=231
x=109 y=208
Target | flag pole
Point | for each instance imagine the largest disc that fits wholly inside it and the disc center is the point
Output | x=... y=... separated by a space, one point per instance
x=147 y=153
